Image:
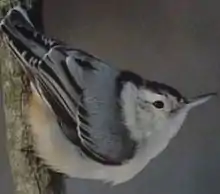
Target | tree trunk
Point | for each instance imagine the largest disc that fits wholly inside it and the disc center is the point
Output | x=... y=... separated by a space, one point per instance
x=30 y=175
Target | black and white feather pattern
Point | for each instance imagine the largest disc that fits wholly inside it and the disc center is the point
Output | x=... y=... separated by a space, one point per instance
x=79 y=88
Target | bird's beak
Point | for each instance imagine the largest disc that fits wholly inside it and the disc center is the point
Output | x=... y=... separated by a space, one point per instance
x=196 y=101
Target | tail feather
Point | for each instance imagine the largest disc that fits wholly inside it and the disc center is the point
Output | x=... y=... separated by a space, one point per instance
x=23 y=38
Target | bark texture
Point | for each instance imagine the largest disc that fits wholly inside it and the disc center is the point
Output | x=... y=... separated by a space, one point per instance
x=30 y=175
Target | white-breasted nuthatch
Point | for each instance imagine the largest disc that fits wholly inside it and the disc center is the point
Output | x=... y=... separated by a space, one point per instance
x=89 y=119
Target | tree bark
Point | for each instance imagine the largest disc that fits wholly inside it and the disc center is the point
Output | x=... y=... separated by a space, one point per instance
x=30 y=174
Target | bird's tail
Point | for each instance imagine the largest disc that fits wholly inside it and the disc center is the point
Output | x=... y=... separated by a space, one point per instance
x=20 y=34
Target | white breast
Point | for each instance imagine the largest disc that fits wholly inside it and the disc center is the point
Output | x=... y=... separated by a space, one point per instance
x=63 y=156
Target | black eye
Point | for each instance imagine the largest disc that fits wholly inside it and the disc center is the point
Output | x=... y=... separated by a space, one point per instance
x=158 y=104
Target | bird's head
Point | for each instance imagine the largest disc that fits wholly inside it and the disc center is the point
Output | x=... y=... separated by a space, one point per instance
x=150 y=106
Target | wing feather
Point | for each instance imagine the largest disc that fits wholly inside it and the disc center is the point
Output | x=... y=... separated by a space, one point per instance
x=79 y=88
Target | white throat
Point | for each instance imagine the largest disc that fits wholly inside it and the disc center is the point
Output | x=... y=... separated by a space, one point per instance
x=145 y=126
x=140 y=123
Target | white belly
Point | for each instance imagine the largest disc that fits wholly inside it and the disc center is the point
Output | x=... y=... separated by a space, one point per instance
x=63 y=156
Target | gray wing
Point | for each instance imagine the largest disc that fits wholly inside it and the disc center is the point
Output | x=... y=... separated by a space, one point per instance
x=79 y=88
x=99 y=121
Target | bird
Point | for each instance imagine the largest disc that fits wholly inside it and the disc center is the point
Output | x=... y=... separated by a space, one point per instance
x=90 y=119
